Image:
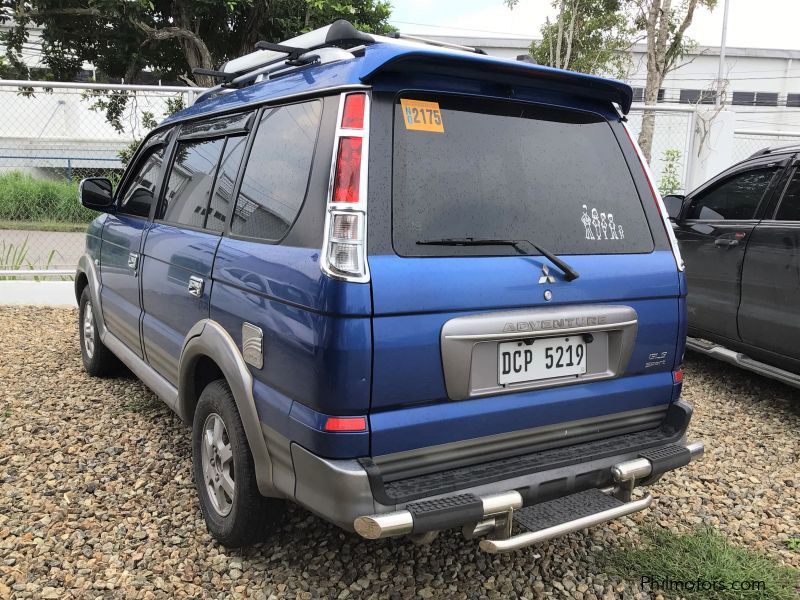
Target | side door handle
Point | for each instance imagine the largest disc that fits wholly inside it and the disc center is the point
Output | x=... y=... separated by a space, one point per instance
x=726 y=242
x=196 y=285
x=133 y=262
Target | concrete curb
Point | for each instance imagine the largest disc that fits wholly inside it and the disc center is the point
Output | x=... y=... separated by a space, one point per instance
x=40 y=293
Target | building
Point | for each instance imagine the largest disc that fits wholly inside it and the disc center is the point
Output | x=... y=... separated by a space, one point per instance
x=762 y=85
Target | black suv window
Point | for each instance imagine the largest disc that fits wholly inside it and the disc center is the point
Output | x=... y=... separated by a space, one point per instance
x=276 y=177
x=190 y=181
x=491 y=169
x=789 y=210
x=736 y=198
x=138 y=195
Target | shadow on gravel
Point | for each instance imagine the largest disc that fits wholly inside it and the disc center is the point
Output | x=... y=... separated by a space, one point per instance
x=757 y=391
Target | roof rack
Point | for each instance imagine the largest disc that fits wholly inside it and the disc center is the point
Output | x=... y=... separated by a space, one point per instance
x=773 y=149
x=413 y=38
x=340 y=34
x=327 y=44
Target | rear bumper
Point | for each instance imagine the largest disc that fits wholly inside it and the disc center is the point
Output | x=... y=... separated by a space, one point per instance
x=341 y=491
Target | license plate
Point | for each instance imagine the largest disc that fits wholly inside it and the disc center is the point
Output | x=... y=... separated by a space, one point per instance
x=544 y=358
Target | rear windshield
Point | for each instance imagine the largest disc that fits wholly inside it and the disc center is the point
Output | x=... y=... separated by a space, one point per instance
x=469 y=168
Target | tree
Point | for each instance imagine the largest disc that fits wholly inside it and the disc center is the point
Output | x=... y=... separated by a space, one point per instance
x=169 y=37
x=665 y=27
x=670 y=176
x=590 y=36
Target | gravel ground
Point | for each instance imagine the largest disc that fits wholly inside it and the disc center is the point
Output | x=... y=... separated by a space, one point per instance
x=97 y=500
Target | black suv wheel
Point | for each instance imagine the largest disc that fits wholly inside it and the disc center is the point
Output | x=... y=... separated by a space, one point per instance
x=235 y=512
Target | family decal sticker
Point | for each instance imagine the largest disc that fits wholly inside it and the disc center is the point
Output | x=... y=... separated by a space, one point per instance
x=600 y=225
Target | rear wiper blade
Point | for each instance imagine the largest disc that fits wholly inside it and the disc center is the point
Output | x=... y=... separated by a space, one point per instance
x=570 y=274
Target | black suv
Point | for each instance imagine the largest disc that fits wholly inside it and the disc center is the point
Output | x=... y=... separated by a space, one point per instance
x=740 y=237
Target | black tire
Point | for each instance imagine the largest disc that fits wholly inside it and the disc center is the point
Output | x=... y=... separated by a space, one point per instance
x=251 y=516
x=100 y=361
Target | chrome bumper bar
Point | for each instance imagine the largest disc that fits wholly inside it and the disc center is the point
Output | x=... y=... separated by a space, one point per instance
x=536 y=537
x=401 y=522
x=498 y=510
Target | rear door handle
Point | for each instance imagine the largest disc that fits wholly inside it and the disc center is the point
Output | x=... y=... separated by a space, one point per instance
x=725 y=242
x=196 y=285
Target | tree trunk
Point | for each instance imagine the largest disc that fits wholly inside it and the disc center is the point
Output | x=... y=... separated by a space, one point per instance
x=561 y=10
x=651 y=89
x=571 y=34
x=658 y=29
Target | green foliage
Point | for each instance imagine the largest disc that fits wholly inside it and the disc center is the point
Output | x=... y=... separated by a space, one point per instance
x=169 y=37
x=24 y=198
x=670 y=175
x=707 y=556
x=16 y=258
x=590 y=36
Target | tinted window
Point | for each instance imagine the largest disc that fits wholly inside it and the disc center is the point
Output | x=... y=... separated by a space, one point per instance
x=275 y=179
x=509 y=170
x=734 y=198
x=789 y=210
x=190 y=180
x=139 y=193
x=221 y=201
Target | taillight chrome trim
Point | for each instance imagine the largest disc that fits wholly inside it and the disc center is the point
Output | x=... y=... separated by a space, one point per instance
x=662 y=209
x=359 y=207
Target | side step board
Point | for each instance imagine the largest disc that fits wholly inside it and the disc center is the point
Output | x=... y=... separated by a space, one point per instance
x=564 y=515
x=742 y=360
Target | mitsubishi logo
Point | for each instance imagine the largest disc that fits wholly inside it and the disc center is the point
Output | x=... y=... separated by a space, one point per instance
x=546 y=277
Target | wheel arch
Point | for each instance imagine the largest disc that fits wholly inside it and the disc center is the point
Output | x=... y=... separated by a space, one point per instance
x=209 y=353
x=81 y=281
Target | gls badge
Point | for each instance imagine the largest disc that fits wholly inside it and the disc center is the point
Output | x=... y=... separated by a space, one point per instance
x=656 y=359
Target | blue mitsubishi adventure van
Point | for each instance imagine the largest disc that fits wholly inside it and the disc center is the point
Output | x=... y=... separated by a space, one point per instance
x=408 y=287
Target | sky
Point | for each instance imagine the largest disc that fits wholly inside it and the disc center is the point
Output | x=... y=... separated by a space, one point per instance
x=751 y=23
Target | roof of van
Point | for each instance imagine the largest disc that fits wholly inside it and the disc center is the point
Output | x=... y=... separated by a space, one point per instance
x=409 y=60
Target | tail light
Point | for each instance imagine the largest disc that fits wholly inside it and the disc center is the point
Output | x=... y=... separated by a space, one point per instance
x=345 y=424
x=677 y=376
x=662 y=210
x=344 y=249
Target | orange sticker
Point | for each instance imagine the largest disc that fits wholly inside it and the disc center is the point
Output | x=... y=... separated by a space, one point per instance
x=419 y=115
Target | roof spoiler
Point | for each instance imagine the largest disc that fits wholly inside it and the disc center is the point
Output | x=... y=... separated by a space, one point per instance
x=508 y=73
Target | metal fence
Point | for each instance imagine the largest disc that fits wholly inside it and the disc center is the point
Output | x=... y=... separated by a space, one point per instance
x=674 y=131
x=53 y=134
x=748 y=141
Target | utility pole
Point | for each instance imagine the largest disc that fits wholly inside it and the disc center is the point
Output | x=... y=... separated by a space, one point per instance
x=721 y=71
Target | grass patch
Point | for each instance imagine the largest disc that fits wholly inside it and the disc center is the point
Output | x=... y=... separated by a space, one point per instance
x=43 y=226
x=15 y=257
x=24 y=198
x=702 y=565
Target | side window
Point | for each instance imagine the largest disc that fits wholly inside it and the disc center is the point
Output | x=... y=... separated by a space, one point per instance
x=276 y=177
x=736 y=198
x=190 y=180
x=222 y=199
x=138 y=195
x=789 y=210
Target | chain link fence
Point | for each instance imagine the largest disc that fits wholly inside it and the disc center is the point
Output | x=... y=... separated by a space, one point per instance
x=747 y=142
x=673 y=140
x=52 y=135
